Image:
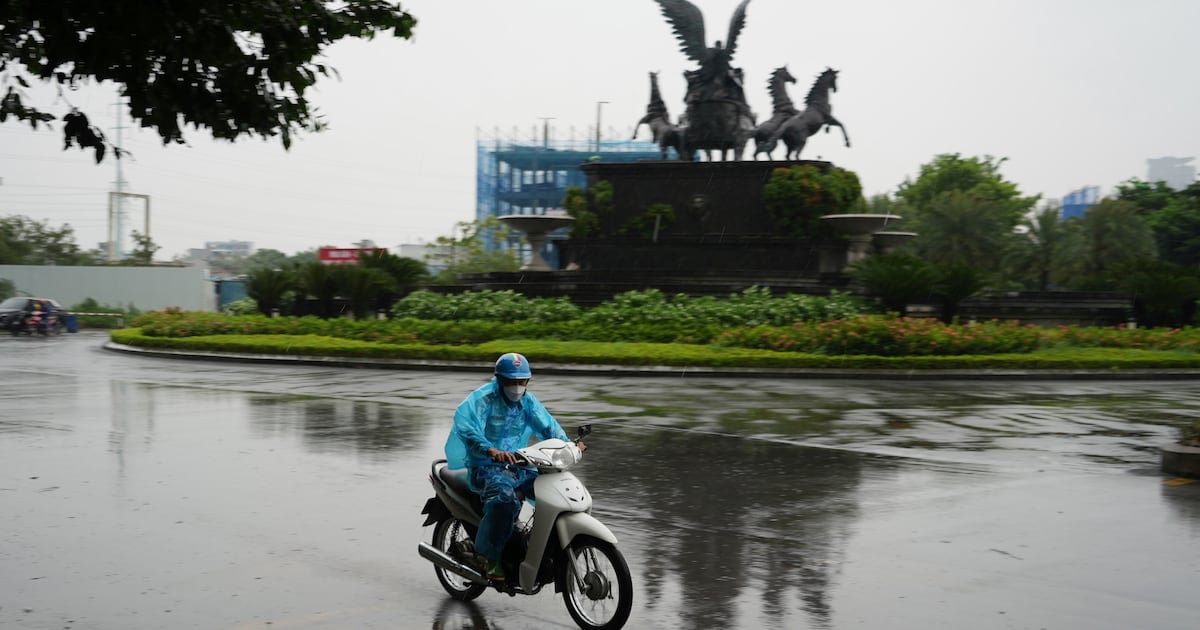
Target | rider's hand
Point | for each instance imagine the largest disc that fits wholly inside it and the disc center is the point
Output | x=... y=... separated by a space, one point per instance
x=581 y=445
x=502 y=457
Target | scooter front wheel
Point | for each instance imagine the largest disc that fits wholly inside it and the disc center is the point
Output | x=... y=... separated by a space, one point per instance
x=597 y=588
x=451 y=538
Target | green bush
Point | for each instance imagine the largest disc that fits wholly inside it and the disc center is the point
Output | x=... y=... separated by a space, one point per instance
x=90 y=305
x=500 y=306
x=798 y=196
x=888 y=335
x=244 y=306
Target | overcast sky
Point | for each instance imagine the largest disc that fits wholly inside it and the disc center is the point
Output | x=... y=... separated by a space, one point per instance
x=1072 y=92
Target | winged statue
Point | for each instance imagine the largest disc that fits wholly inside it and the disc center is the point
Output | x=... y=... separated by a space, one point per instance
x=716 y=76
x=718 y=117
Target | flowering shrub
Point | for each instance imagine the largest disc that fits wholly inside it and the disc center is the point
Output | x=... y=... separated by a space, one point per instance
x=500 y=306
x=888 y=335
x=1187 y=338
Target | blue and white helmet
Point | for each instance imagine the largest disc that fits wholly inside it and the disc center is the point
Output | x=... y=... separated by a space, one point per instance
x=513 y=365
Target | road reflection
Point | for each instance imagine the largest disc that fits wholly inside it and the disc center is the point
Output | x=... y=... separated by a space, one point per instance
x=720 y=520
x=376 y=431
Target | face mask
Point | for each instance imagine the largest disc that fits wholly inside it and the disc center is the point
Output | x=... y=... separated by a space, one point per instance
x=514 y=392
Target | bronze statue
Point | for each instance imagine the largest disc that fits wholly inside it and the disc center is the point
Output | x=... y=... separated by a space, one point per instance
x=817 y=113
x=782 y=110
x=666 y=134
x=718 y=117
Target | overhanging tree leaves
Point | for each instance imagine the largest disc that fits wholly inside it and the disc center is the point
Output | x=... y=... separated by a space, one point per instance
x=234 y=68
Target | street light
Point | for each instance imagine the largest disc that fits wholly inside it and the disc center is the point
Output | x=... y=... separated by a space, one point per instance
x=599 y=104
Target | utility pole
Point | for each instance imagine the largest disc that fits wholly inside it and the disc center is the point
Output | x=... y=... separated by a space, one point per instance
x=599 y=104
x=546 y=131
x=116 y=211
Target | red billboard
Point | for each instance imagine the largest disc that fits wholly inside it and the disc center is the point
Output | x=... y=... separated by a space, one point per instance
x=344 y=255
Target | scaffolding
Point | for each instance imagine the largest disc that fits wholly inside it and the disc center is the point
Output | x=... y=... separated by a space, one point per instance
x=532 y=178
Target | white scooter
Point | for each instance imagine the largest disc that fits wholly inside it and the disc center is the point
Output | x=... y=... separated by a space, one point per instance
x=562 y=543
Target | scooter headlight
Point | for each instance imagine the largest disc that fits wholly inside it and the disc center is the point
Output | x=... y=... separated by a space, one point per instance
x=563 y=456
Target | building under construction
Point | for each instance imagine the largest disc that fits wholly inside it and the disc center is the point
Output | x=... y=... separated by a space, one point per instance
x=515 y=177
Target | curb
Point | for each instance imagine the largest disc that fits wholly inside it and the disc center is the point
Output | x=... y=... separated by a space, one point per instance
x=664 y=370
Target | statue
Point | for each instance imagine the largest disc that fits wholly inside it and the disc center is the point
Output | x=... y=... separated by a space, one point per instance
x=666 y=134
x=817 y=113
x=718 y=117
x=782 y=110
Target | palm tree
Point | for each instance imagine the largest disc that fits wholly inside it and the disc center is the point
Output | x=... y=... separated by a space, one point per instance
x=955 y=282
x=318 y=284
x=961 y=228
x=362 y=287
x=1036 y=253
x=896 y=279
x=267 y=288
x=1110 y=235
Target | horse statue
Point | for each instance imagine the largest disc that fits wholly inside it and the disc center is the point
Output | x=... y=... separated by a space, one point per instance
x=817 y=113
x=782 y=110
x=719 y=119
x=666 y=134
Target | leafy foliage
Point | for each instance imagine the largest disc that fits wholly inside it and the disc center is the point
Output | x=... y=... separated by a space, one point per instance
x=796 y=198
x=244 y=306
x=143 y=249
x=1112 y=234
x=234 y=68
x=1174 y=217
x=90 y=305
x=471 y=251
x=24 y=241
x=1035 y=256
x=586 y=222
x=656 y=219
x=7 y=289
x=405 y=273
x=498 y=306
x=888 y=335
x=1164 y=294
x=977 y=177
x=267 y=288
x=896 y=279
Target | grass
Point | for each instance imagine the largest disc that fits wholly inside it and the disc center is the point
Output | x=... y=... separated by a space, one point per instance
x=679 y=355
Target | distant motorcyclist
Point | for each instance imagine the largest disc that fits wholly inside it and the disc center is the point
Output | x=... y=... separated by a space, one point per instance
x=489 y=426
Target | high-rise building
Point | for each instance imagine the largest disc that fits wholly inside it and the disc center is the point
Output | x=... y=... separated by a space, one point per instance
x=1175 y=171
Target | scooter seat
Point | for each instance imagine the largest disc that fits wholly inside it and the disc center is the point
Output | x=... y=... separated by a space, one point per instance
x=456 y=480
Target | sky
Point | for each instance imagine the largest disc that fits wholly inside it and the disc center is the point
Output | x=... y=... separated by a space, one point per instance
x=1072 y=92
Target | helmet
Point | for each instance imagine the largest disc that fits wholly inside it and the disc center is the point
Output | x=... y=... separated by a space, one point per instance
x=513 y=365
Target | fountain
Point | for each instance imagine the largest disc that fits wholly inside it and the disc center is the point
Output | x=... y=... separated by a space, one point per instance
x=887 y=242
x=858 y=229
x=536 y=228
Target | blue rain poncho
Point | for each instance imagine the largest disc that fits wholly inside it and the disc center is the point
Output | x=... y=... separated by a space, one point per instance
x=486 y=419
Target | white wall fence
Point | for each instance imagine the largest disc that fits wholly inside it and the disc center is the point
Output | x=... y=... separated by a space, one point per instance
x=146 y=288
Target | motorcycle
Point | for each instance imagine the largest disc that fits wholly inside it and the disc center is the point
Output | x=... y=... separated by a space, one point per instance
x=42 y=323
x=556 y=541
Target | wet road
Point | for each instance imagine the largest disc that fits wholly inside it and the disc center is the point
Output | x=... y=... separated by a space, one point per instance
x=151 y=493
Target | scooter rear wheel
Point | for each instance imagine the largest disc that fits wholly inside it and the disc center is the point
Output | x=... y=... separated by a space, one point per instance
x=597 y=589
x=450 y=537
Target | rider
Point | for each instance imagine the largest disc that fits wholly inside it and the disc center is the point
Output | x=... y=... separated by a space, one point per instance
x=489 y=426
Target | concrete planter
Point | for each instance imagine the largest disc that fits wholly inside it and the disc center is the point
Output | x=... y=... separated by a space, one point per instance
x=1181 y=460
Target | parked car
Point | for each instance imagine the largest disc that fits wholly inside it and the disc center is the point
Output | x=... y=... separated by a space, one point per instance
x=30 y=315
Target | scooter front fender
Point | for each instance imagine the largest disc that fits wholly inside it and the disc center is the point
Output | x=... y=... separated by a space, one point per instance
x=572 y=524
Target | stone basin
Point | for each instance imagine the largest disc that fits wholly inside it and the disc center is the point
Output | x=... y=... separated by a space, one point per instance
x=887 y=241
x=860 y=224
x=536 y=227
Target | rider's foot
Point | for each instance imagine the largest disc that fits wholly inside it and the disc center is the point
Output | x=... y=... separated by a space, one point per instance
x=495 y=571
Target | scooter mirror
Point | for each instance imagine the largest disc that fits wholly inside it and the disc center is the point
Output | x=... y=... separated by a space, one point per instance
x=584 y=431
